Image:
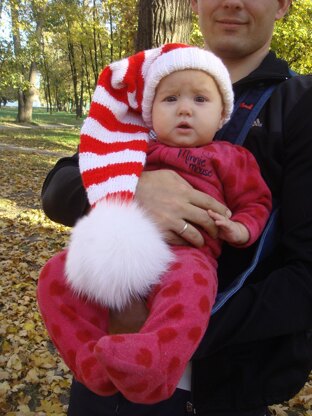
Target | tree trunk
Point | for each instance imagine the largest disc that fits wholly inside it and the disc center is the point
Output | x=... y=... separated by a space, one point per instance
x=26 y=98
x=46 y=78
x=101 y=51
x=27 y=90
x=95 y=46
x=86 y=70
x=111 y=35
x=74 y=74
x=163 y=21
x=80 y=113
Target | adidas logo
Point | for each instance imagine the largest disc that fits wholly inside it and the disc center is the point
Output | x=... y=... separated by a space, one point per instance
x=257 y=123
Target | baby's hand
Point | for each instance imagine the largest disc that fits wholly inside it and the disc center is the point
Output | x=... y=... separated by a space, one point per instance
x=231 y=231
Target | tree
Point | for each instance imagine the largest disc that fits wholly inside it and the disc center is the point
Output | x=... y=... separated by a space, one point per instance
x=292 y=38
x=7 y=75
x=121 y=18
x=162 y=21
x=27 y=24
x=80 y=38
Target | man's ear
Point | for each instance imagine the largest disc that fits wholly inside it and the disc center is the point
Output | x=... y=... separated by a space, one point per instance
x=194 y=5
x=283 y=6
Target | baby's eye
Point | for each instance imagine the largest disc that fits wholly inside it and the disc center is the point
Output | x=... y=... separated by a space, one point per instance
x=170 y=98
x=200 y=99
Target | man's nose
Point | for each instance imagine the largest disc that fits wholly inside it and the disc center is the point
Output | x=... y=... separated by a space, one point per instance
x=232 y=4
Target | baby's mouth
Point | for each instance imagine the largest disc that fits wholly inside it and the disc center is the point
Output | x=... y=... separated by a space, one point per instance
x=183 y=125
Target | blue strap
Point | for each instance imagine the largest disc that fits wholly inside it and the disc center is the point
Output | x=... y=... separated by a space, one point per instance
x=253 y=114
x=265 y=246
x=246 y=110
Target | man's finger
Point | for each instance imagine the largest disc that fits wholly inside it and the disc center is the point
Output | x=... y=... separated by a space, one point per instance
x=204 y=201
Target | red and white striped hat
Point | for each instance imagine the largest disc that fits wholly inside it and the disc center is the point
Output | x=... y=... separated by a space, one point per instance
x=117 y=238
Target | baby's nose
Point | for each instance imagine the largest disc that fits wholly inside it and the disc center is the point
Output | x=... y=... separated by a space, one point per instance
x=184 y=108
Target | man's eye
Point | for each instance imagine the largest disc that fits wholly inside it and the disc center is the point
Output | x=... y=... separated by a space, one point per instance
x=200 y=99
x=170 y=98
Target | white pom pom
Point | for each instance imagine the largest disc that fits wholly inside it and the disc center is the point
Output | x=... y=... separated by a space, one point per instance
x=115 y=253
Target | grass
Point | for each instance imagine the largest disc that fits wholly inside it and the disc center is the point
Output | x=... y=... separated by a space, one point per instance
x=60 y=140
x=63 y=137
x=41 y=117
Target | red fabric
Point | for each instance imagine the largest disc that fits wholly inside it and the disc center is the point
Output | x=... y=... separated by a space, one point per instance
x=225 y=171
x=88 y=144
x=97 y=175
x=144 y=367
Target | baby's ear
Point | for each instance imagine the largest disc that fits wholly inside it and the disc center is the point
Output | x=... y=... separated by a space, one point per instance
x=221 y=123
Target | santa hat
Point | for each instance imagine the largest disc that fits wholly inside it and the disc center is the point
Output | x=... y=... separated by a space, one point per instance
x=117 y=252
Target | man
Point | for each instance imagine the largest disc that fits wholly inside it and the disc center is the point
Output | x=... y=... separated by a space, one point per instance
x=258 y=348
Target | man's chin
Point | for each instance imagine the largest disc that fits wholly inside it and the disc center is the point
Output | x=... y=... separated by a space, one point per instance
x=229 y=47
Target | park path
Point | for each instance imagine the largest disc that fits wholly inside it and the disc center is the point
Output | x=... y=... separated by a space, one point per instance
x=4 y=146
x=7 y=126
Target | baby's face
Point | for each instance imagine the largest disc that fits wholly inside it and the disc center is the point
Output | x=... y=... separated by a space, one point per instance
x=187 y=109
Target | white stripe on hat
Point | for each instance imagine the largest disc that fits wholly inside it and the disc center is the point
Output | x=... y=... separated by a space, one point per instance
x=122 y=183
x=119 y=70
x=89 y=160
x=149 y=57
x=118 y=108
x=94 y=129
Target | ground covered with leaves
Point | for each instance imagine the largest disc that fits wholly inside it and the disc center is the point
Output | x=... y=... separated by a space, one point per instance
x=33 y=378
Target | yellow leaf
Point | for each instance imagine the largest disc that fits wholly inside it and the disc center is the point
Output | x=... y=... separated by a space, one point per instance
x=51 y=407
x=4 y=388
x=6 y=346
x=4 y=375
x=32 y=376
x=24 y=409
x=11 y=329
x=14 y=363
x=29 y=325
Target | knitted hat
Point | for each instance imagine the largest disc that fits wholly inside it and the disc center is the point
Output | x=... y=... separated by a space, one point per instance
x=187 y=58
x=116 y=252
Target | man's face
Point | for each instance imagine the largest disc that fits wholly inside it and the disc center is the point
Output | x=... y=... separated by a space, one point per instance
x=235 y=29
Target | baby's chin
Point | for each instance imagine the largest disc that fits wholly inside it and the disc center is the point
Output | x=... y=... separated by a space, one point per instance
x=182 y=141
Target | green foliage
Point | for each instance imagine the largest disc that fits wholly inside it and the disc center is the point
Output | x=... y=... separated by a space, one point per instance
x=8 y=79
x=77 y=38
x=196 y=35
x=80 y=38
x=292 y=38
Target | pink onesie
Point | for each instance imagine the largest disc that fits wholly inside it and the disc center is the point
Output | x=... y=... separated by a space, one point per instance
x=147 y=366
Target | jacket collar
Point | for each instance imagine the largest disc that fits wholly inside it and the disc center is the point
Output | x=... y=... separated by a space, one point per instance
x=270 y=69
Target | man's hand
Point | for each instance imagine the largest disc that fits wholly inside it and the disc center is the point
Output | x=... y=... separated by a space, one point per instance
x=172 y=202
x=129 y=320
